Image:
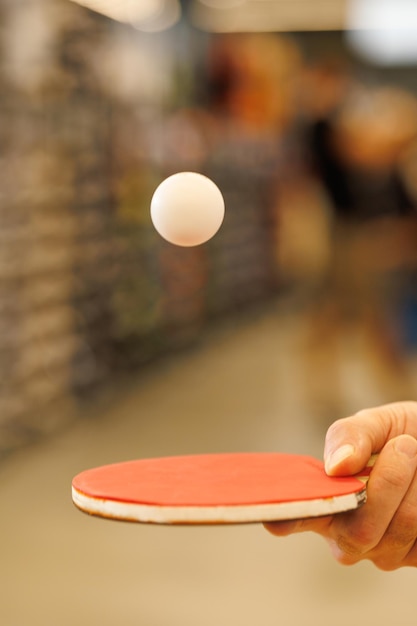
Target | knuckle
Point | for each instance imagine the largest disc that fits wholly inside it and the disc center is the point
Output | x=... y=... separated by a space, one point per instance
x=281 y=529
x=352 y=546
x=358 y=541
x=393 y=477
x=338 y=426
x=410 y=558
x=339 y=554
x=384 y=563
x=402 y=539
x=403 y=531
x=346 y=559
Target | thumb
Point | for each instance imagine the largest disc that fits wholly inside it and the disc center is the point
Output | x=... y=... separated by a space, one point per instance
x=346 y=460
x=351 y=441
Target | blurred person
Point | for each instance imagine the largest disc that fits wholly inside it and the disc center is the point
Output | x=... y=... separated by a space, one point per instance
x=251 y=80
x=371 y=132
x=325 y=87
x=356 y=139
x=384 y=530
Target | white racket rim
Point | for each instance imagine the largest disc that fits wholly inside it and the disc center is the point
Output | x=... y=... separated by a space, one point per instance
x=222 y=514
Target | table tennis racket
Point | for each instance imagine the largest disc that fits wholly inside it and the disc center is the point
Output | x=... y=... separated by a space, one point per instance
x=229 y=488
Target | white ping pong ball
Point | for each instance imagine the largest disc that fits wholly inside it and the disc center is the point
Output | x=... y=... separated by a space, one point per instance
x=187 y=209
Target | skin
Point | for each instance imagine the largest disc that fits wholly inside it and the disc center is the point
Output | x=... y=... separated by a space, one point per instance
x=384 y=530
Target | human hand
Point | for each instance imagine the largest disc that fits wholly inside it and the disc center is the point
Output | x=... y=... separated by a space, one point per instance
x=384 y=530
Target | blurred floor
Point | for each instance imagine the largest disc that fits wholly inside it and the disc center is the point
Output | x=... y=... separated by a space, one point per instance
x=262 y=384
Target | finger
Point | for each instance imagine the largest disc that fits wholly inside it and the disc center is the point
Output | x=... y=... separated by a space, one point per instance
x=410 y=560
x=399 y=540
x=351 y=441
x=283 y=529
x=355 y=535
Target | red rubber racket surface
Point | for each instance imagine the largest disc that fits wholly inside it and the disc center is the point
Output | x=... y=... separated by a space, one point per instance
x=215 y=488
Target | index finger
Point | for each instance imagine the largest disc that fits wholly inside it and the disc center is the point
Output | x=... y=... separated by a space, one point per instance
x=318 y=525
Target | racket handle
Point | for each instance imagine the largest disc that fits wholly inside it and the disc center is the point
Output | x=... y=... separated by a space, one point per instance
x=364 y=474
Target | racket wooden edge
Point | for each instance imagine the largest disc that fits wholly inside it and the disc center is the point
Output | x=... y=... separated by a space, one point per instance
x=200 y=515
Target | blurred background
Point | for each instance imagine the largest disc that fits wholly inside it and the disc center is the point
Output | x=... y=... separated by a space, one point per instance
x=115 y=344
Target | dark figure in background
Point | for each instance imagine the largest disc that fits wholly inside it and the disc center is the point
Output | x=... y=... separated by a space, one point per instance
x=356 y=139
